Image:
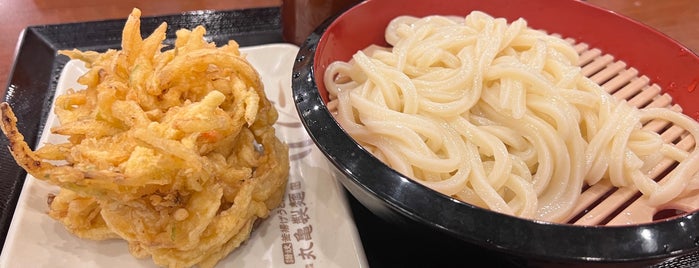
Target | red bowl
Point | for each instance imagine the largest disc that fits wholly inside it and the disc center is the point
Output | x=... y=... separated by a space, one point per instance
x=398 y=200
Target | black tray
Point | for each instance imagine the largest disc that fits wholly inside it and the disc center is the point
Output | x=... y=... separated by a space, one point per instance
x=32 y=84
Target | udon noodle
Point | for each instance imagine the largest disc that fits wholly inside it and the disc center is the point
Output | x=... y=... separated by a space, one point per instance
x=498 y=115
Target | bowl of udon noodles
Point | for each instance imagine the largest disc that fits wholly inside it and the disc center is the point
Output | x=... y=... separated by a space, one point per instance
x=552 y=130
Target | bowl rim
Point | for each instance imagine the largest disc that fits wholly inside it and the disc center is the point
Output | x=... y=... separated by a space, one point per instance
x=530 y=239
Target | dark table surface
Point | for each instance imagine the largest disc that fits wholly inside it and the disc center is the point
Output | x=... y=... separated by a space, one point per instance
x=676 y=18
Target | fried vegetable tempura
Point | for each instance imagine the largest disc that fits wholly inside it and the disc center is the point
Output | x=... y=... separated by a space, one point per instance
x=171 y=150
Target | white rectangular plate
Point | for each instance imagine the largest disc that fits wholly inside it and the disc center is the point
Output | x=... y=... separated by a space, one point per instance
x=312 y=228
